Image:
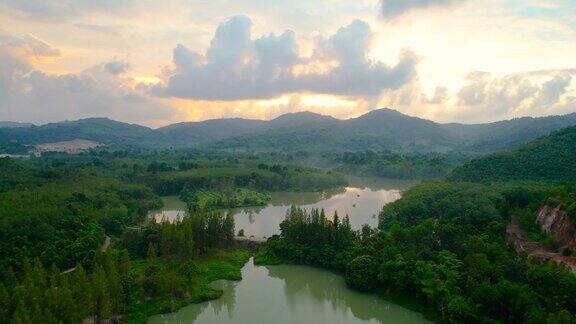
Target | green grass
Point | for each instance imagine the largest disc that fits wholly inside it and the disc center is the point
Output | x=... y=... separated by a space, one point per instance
x=195 y=283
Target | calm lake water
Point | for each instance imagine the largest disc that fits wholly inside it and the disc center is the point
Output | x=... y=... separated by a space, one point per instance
x=290 y=294
x=362 y=200
x=296 y=294
x=174 y=209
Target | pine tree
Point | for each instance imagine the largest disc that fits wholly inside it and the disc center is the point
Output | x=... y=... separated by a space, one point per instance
x=123 y=262
x=100 y=295
x=27 y=272
x=114 y=285
x=54 y=276
x=81 y=292
x=37 y=316
x=63 y=305
x=21 y=315
x=10 y=279
x=228 y=228
x=4 y=304
x=39 y=276
x=151 y=252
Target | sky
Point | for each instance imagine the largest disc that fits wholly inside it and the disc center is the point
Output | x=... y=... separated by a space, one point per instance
x=159 y=62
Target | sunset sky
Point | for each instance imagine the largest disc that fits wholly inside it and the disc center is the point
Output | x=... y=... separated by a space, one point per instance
x=160 y=62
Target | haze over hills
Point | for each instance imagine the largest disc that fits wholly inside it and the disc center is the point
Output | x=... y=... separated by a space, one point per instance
x=508 y=133
x=376 y=130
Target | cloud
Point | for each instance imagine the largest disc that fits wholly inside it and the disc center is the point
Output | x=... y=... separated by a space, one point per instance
x=117 y=67
x=484 y=97
x=28 y=47
x=51 y=9
x=237 y=67
x=396 y=8
x=27 y=94
x=527 y=93
x=440 y=95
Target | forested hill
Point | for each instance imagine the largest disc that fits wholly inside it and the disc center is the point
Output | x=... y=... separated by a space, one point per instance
x=8 y=124
x=377 y=130
x=101 y=130
x=381 y=129
x=505 y=134
x=551 y=157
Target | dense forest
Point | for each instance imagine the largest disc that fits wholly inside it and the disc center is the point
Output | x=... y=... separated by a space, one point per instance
x=387 y=164
x=76 y=243
x=442 y=244
x=550 y=158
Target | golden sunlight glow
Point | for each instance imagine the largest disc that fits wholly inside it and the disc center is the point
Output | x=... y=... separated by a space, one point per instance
x=194 y=110
x=147 y=79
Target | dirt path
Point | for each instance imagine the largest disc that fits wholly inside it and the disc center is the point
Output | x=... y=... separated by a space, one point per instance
x=105 y=244
x=516 y=236
x=103 y=248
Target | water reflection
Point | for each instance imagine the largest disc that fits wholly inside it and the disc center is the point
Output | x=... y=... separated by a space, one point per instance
x=290 y=294
x=173 y=210
x=361 y=204
x=362 y=201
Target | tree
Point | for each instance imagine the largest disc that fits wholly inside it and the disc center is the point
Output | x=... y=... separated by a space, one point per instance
x=4 y=303
x=228 y=228
x=81 y=291
x=439 y=280
x=151 y=252
x=362 y=273
x=100 y=295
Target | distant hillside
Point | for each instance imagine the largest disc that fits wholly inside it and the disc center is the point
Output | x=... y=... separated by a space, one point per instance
x=195 y=133
x=9 y=124
x=552 y=157
x=508 y=133
x=210 y=131
x=381 y=129
x=377 y=130
x=101 y=130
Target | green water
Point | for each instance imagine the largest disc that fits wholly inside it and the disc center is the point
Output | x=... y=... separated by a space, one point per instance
x=173 y=210
x=290 y=294
x=362 y=200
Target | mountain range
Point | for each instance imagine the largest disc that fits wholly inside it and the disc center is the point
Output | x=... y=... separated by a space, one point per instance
x=381 y=129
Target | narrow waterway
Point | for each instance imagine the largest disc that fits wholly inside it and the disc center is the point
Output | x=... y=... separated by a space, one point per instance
x=290 y=294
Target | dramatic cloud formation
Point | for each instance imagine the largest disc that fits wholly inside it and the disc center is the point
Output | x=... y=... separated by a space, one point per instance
x=30 y=95
x=237 y=67
x=253 y=68
x=396 y=8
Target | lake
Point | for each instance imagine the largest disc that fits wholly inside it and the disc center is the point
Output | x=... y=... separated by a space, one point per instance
x=173 y=210
x=362 y=200
x=296 y=294
x=290 y=294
